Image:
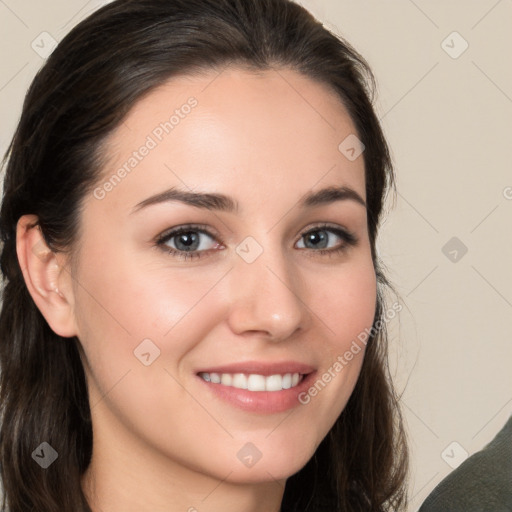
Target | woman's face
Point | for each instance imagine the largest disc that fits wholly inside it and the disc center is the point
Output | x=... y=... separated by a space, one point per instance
x=281 y=284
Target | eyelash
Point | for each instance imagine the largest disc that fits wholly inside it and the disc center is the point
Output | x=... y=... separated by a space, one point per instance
x=349 y=240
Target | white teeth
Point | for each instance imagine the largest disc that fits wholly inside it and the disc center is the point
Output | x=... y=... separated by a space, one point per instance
x=226 y=379
x=274 y=383
x=254 y=382
x=239 y=381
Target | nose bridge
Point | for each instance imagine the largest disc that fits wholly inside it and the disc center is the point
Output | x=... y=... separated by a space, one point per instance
x=265 y=293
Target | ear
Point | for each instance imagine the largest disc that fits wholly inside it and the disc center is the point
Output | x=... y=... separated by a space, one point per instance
x=48 y=280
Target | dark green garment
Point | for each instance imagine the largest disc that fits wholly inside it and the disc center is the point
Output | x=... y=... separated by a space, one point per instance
x=482 y=483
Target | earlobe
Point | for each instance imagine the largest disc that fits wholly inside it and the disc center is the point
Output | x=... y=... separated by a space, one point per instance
x=47 y=280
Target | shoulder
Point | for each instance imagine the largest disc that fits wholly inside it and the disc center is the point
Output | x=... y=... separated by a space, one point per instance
x=481 y=483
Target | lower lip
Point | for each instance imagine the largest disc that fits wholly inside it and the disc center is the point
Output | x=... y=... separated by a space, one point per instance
x=263 y=402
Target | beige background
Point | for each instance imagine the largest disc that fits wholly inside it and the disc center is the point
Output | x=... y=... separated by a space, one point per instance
x=448 y=117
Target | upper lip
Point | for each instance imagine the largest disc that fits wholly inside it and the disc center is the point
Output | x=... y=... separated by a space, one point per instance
x=261 y=368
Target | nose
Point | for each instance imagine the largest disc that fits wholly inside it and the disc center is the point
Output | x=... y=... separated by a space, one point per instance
x=267 y=297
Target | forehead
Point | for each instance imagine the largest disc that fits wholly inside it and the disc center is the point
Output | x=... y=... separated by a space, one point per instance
x=241 y=131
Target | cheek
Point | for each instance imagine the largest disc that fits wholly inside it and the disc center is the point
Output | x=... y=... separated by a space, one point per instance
x=346 y=305
x=120 y=305
x=357 y=308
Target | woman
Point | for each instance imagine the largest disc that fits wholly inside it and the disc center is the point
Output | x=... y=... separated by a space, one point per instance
x=193 y=313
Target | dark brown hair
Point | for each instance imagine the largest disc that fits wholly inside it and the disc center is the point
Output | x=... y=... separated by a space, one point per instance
x=88 y=85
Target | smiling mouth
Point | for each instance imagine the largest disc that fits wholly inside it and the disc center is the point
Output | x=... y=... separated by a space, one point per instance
x=253 y=381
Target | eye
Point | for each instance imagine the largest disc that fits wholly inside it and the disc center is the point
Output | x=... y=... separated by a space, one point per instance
x=320 y=239
x=187 y=242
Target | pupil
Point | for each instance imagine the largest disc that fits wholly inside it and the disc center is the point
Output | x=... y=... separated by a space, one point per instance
x=187 y=239
x=317 y=237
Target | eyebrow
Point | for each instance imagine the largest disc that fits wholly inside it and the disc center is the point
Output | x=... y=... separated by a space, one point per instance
x=221 y=202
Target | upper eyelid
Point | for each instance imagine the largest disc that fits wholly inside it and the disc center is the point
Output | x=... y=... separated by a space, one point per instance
x=172 y=232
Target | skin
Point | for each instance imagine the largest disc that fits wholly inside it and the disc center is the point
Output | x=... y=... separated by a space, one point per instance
x=162 y=440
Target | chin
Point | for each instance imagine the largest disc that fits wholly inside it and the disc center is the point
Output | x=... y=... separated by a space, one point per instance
x=273 y=464
x=269 y=472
